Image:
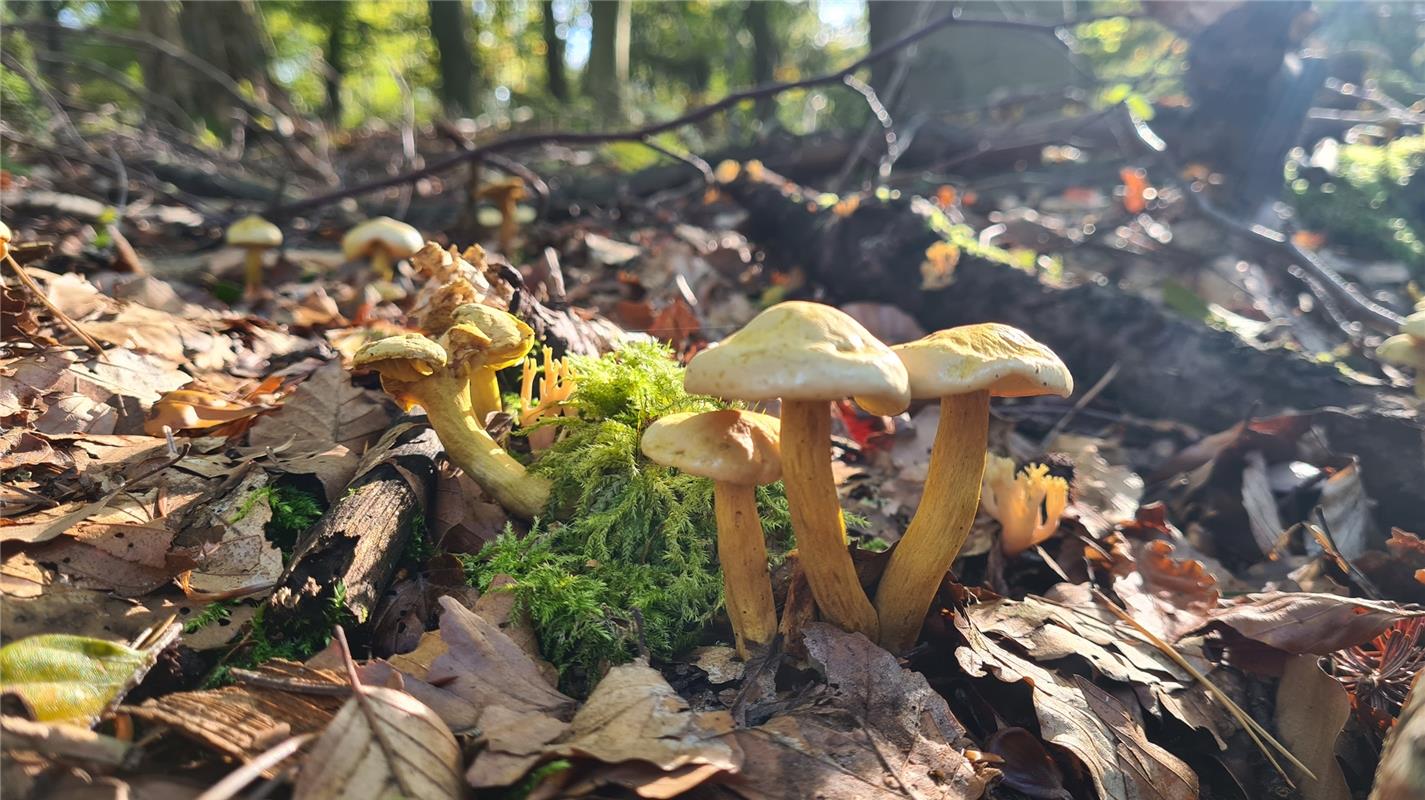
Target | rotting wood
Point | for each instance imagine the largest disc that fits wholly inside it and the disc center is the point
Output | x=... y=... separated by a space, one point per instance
x=358 y=542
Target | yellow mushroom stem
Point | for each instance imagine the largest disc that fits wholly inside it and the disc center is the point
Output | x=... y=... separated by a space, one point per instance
x=468 y=446
x=941 y=523
x=816 y=517
x=484 y=393
x=742 y=551
x=252 y=271
x=381 y=263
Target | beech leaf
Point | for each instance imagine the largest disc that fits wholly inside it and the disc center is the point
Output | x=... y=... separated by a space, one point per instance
x=64 y=678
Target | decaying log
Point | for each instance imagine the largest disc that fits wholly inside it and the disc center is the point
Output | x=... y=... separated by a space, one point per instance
x=358 y=542
x=1169 y=367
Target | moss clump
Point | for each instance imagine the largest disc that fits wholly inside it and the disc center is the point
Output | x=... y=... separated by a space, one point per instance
x=293 y=512
x=634 y=564
x=1374 y=205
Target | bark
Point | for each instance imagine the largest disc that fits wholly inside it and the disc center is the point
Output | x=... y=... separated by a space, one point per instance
x=766 y=52
x=453 y=34
x=359 y=541
x=556 y=79
x=1170 y=367
x=165 y=76
x=607 y=73
x=335 y=15
x=228 y=34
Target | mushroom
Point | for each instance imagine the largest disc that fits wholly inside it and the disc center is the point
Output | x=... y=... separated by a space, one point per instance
x=5 y=237
x=1404 y=350
x=1027 y=503
x=506 y=196
x=510 y=341
x=256 y=236
x=739 y=450
x=962 y=367
x=384 y=241
x=808 y=355
x=435 y=376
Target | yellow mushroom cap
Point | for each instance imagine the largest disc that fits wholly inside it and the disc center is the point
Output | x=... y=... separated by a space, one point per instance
x=398 y=238
x=405 y=356
x=1414 y=325
x=1402 y=350
x=254 y=231
x=801 y=351
x=501 y=192
x=5 y=237
x=730 y=446
x=1000 y=359
x=510 y=338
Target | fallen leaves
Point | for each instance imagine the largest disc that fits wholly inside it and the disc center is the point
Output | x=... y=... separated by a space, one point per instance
x=383 y=743
x=1309 y=623
x=1312 y=708
x=66 y=678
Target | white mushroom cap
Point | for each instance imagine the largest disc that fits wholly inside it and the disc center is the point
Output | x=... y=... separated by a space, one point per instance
x=1000 y=359
x=399 y=239
x=801 y=351
x=254 y=231
x=730 y=446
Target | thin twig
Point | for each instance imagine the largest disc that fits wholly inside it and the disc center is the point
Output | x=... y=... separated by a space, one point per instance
x=239 y=778
x=689 y=158
x=29 y=283
x=1089 y=396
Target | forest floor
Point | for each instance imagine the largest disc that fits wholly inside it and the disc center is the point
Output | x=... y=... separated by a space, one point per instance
x=201 y=486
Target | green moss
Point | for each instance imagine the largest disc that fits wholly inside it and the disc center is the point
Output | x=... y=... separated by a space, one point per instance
x=634 y=565
x=211 y=614
x=1374 y=205
x=293 y=512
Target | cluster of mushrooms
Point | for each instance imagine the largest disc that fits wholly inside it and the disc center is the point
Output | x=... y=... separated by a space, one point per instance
x=381 y=241
x=804 y=355
x=807 y=355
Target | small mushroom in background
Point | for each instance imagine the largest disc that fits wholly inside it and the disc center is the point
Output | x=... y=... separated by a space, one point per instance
x=383 y=241
x=255 y=236
x=739 y=450
x=1407 y=349
x=961 y=367
x=435 y=376
x=809 y=354
x=506 y=195
x=510 y=341
x=1027 y=503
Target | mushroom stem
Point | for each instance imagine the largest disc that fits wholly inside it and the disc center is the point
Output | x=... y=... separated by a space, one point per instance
x=381 y=264
x=816 y=517
x=742 y=551
x=942 y=522
x=252 y=271
x=484 y=393
x=468 y=446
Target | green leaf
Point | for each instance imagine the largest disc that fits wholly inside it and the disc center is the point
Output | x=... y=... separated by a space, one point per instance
x=69 y=678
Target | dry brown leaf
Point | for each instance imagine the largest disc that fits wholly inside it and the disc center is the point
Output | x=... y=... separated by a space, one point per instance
x=1027 y=766
x=906 y=722
x=465 y=518
x=1299 y=622
x=84 y=612
x=1167 y=595
x=514 y=742
x=382 y=744
x=227 y=542
x=323 y=428
x=131 y=560
x=180 y=340
x=1312 y=708
x=1087 y=722
x=412 y=605
x=486 y=667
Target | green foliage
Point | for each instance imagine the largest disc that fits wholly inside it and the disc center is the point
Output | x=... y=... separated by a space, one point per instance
x=634 y=563
x=1375 y=205
x=64 y=678
x=211 y=614
x=293 y=512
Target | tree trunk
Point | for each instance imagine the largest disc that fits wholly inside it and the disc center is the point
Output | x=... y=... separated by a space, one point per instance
x=766 y=52
x=230 y=35
x=607 y=72
x=163 y=75
x=887 y=22
x=453 y=42
x=557 y=81
x=335 y=15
